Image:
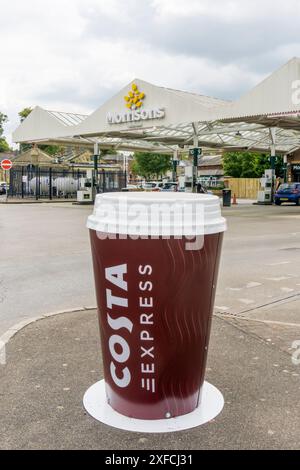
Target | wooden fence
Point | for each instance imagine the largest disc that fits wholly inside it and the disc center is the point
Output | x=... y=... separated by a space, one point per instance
x=243 y=188
x=3 y=177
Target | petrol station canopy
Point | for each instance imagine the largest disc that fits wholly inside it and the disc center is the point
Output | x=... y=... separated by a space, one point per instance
x=147 y=117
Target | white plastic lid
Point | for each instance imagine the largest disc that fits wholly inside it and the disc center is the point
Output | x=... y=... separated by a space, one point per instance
x=157 y=214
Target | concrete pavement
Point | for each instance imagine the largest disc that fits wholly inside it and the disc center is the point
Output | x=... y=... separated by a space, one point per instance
x=51 y=363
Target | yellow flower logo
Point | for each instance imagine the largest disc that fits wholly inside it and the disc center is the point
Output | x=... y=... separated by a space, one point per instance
x=134 y=99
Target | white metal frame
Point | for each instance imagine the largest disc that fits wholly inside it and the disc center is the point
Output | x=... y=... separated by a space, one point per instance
x=244 y=135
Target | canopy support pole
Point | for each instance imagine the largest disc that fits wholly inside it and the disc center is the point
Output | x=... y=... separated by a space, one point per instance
x=95 y=176
x=273 y=157
x=175 y=164
x=195 y=163
x=285 y=162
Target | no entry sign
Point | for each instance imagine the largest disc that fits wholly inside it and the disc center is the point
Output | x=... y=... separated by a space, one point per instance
x=6 y=164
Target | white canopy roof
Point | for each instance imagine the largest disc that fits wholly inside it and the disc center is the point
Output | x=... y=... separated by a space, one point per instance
x=42 y=125
x=148 y=117
x=273 y=96
x=55 y=127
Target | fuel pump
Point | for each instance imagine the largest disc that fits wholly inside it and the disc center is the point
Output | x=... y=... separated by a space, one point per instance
x=85 y=193
x=267 y=183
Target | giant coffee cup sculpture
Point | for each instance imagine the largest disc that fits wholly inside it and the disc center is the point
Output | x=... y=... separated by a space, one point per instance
x=156 y=259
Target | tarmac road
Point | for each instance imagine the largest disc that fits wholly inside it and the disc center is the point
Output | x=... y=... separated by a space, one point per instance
x=46 y=262
x=260 y=274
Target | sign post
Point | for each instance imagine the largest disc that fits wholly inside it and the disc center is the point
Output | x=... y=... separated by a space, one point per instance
x=6 y=166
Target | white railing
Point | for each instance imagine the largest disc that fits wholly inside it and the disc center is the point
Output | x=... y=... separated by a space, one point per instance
x=209 y=182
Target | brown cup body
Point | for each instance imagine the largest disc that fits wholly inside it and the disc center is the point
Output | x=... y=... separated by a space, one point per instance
x=155 y=303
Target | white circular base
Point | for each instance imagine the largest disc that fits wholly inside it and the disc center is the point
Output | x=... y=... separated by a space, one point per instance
x=95 y=403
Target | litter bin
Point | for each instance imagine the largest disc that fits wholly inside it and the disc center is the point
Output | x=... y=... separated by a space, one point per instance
x=226 y=197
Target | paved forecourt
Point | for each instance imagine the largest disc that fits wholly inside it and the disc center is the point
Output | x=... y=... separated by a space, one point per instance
x=51 y=363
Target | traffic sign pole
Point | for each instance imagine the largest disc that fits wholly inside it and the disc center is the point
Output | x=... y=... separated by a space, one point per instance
x=6 y=166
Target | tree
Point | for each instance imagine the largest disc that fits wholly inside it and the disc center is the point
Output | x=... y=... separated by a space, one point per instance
x=151 y=165
x=105 y=152
x=4 y=147
x=24 y=113
x=3 y=120
x=248 y=164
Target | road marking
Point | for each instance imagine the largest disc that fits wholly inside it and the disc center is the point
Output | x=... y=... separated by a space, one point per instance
x=277 y=279
x=279 y=264
x=247 y=301
x=223 y=309
x=234 y=289
x=283 y=300
x=286 y=289
x=269 y=322
x=250 y=285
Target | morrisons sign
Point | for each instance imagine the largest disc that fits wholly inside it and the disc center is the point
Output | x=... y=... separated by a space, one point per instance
x=134 y=102
x=135 y=116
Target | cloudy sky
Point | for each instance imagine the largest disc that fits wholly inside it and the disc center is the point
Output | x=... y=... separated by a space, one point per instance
x=71 y=55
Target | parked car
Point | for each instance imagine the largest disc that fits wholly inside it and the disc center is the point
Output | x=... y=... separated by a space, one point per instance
x=288 y=193
x=131 y=187
x=152 y=186
x=3 y=188
x=169 y=186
